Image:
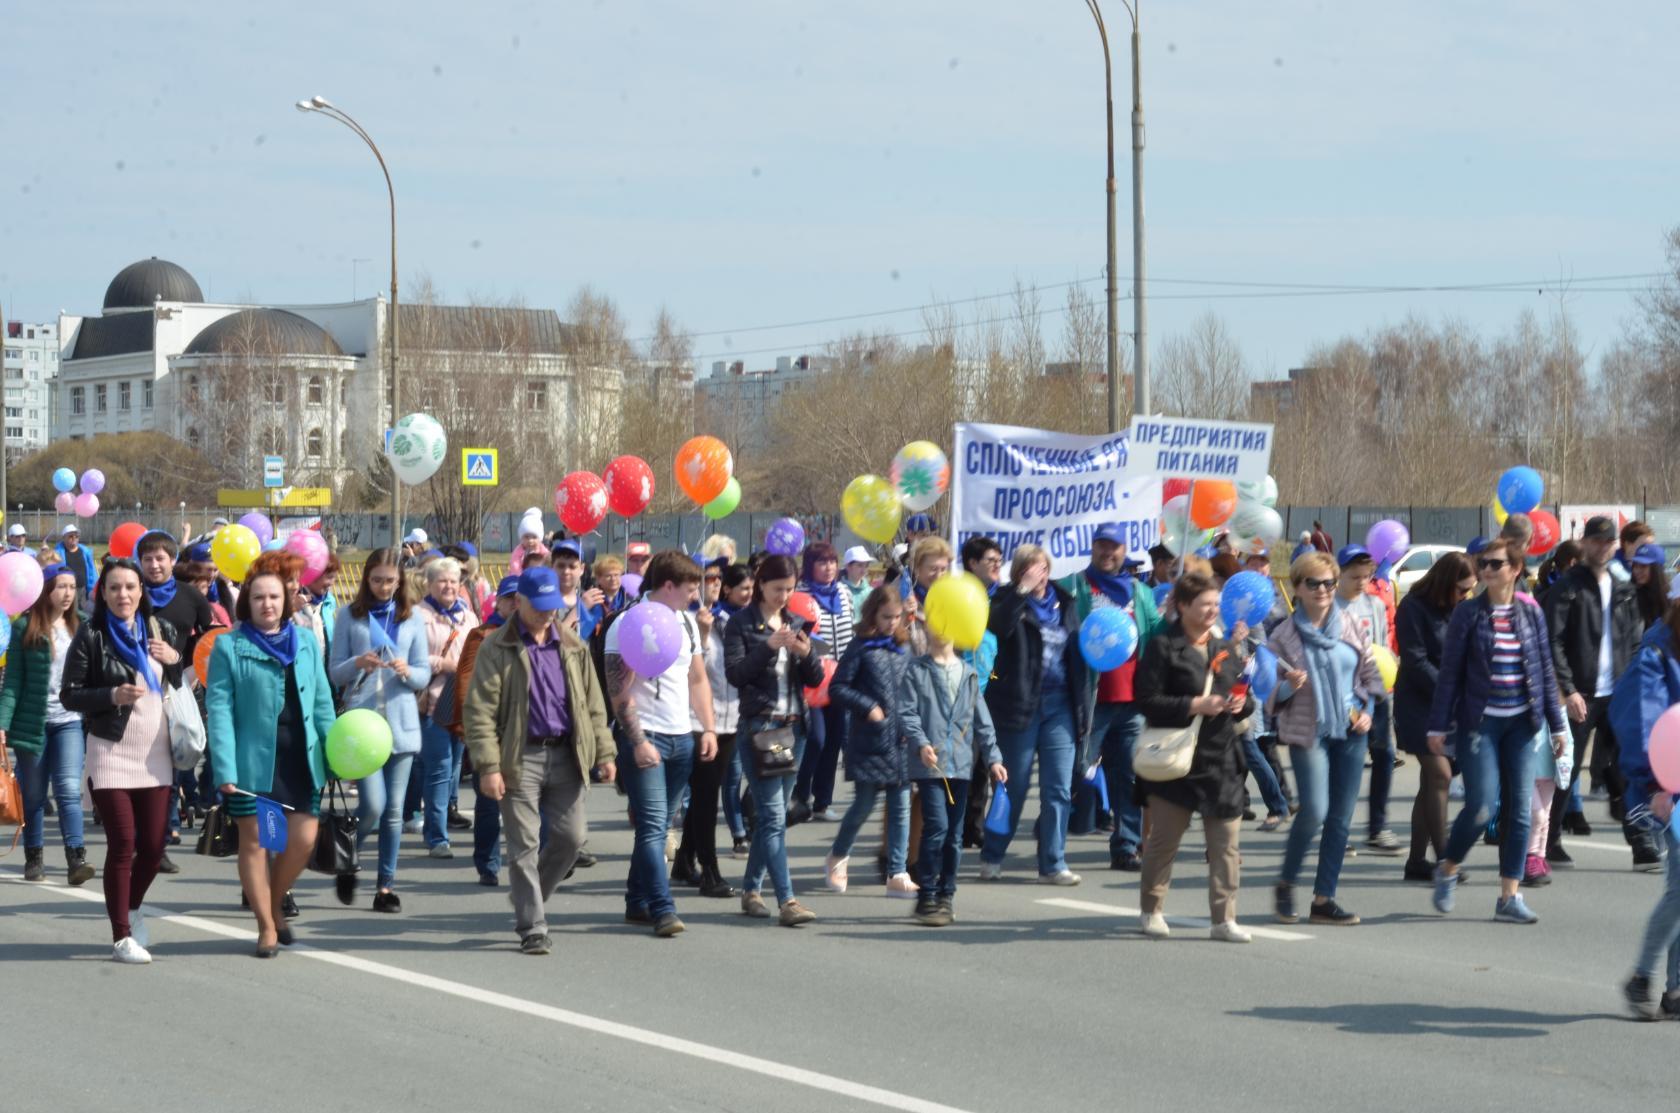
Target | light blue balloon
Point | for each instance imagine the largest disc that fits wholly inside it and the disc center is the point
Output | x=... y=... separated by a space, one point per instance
x=1108 y=638
x=1264 y=680
x=5 y=637
x=64 y=480
x=1248 y=597
x=1520 y=490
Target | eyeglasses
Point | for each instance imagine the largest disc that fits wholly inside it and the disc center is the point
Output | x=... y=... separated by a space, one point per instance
x=1318 y=585
x=992 y=561
x=1493 y=564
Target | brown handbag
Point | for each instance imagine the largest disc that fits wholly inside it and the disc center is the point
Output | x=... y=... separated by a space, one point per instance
x=11 y=798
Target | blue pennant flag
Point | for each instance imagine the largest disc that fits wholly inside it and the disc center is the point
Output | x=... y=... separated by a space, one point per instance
x=1099 y=784
x=271 y=825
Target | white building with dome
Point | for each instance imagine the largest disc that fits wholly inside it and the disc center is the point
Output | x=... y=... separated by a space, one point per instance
x=308 y=382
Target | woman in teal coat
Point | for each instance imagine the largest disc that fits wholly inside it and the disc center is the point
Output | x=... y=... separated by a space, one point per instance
x=270 y=709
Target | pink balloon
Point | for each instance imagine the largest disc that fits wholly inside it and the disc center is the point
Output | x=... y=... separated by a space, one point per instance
x=311 y=547
x=65 y=502
x=1664 y=749
x=20 y=583
x=87 y=505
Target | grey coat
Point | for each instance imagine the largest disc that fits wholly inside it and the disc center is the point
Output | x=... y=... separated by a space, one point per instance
x=929 y=717
x=383 y=691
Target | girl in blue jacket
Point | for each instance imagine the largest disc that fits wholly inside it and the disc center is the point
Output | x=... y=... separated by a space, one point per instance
x=1649 y=687
x=269 y=712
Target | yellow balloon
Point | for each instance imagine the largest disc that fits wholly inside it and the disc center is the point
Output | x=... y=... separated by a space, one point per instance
x=1387 y=664
x=1499 y=514
x=233 y=549
x=957 y=608
x=871 y=508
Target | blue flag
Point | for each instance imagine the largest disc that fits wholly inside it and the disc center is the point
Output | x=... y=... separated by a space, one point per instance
x=1099 y=784
x=271 y=825
x=378 y=638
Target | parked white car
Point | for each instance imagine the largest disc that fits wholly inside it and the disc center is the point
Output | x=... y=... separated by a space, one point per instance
x=1410 y=568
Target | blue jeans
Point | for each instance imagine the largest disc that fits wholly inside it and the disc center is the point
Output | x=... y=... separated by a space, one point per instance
x=898 y=823
x=732 y=796
x=1497 y=759
x=1265 y=776
x=437 y=758
x=1380 y=745
x=941 y=851
x=1050 y=736
x=1116 y=728
x=653 y=798
x=382 y=802
x=1327 y=776
x=1662 y=931
x=817 y=769
x=487 y=832
x=59 y=762
x=769 y=832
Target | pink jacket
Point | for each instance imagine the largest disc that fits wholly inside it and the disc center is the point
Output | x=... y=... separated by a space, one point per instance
x=1297 y=713
x=445 y=638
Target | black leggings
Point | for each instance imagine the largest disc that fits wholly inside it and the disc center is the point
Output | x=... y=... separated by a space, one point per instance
x=705 y=789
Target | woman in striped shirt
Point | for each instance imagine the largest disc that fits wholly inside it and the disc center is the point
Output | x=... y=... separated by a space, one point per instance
x=813 y=792
x=1498 y=687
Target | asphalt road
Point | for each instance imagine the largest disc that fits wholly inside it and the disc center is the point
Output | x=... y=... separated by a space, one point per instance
x=1036 y=999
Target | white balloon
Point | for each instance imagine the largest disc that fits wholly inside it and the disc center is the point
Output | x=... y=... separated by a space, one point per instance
x=418 y=447
x=1177 y=534
x=1254 y=526
x=1265 y=492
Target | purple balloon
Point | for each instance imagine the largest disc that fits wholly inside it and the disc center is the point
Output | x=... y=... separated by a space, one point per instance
x=259 y=524
x=1387 y=540
x=93 y=481
x=650 y=637
x=631 y=583
x=785 y=538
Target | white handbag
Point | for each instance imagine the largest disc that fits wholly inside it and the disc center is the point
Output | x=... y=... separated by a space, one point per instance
x=187 y=737
x=1165 y=753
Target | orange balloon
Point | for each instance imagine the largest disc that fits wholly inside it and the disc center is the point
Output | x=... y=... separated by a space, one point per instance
x=1212 y=502
x=703 y=468
x=201 y=653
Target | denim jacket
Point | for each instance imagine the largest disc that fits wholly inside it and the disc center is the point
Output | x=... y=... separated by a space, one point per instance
x=930 y=717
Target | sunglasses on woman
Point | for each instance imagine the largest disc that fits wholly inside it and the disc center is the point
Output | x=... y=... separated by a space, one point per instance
x=1490 y=563
x=1318 y=585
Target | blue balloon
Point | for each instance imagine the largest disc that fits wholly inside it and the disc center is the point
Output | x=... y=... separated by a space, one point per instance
x=1265 y=678
x=64 y=480
x=1108 y=638
x=5 y=637
x=1520 y=490
x=1248 y=597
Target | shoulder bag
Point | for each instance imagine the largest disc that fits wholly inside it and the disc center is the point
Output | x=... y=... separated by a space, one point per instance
x=220 y=835
x=335 y=837
x=1165 y=753
x=11 y=798
x=772 y=753
x=187 y=740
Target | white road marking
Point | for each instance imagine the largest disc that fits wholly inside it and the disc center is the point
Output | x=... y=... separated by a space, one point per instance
x=1277 y=934
x=1592 y=844
x=784 y=1072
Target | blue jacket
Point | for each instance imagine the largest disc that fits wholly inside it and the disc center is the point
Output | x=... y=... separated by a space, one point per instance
x=1649 y=686
x=87 y=564
x=383 y=691
x=930 y=717
x=866 y=678
x=244 y=699
x=1465 y=679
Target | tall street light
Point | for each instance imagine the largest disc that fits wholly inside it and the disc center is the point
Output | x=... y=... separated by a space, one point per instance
x=332 y=111
x=1140 y=364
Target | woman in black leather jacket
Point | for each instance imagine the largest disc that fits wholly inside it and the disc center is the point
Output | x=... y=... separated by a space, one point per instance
x=769 y=658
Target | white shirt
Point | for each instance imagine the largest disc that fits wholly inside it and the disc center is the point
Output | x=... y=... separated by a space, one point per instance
x=662 y=701
x=56 y=715
x=1606 y=649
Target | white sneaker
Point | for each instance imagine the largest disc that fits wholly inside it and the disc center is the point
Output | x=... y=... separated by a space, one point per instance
x=899 y=885
x=137 y=929
x=130 y=953
x=827 y=815
x=673 y=839
x=441 y=850
x=414 y=826
x=1229 y=932
x=1061 y=877
x=990 y=872
x=1154 y=925
x=834 y=873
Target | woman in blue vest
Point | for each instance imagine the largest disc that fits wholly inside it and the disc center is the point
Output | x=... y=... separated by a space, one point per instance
x=270 y=709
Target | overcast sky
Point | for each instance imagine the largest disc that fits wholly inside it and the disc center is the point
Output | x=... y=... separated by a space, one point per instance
x=758 y=163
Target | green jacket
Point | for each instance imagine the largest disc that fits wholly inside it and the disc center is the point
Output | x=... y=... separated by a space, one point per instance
x=496 y=715
x=23 y=701
x=1148 y=619
x=244 y=699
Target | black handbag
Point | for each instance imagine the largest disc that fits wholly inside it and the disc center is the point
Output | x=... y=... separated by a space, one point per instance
x=773 y=753
x=220 y=835
x=335 y=838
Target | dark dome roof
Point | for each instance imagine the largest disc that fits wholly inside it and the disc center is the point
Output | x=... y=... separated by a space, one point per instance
x=138 y=285
x=267 y=332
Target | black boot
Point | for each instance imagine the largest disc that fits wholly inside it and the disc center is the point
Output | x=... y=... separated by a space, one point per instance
x=76 y=858
x=683 y=871
x=34 y=869
x=456 y=821
x=712 y=883
x=926 y=905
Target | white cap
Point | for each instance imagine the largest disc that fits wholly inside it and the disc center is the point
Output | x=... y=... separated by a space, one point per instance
x=900 y=551
x=415 y=537
x=17 y=530
x=531 y=525
x=857 y=554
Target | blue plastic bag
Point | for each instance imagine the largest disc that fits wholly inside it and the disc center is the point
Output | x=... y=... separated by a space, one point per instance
x=997 y=816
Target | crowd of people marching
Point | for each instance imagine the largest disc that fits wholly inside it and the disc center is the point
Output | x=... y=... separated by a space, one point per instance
x=1510 y=682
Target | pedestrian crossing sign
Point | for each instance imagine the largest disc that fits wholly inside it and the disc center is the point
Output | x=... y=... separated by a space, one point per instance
x=478 y=467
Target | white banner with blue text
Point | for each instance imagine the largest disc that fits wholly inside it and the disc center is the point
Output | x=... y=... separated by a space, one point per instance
x=1193 y=448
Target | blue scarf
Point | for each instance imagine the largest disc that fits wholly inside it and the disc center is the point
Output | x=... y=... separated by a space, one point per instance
x=382 y=625
x=282 y=645
x=1117 y=586
x=1048 y=609
x=215 y=595
x=494 y=620
x=161 y=594
x=618 y=601
x=884 y=641
x=128 y=639
x=827 y=595
x=725 y=611
x=454 y=611
x=1332 y=664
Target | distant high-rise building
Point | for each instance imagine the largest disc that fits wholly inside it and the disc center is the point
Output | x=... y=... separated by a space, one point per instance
x=31 y=366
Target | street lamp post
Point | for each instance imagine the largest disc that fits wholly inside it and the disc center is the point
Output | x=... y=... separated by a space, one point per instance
x=1140 y=364
x=332 y=111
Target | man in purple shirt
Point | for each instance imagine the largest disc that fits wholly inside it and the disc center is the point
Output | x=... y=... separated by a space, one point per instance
x=536 y=724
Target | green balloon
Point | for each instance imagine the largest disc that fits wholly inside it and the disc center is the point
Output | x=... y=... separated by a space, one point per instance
x=359 y=744
x=726 y=502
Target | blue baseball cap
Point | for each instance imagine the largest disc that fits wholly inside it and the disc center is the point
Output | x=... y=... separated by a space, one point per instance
x=1477 y=545
x=540 y=587
x=919 y=523
x=1350 y=554
x=508 y=586
x=53 y=570
x=1650 y=553
x=569 y=546
x=469 y=548
x=1110 y=531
